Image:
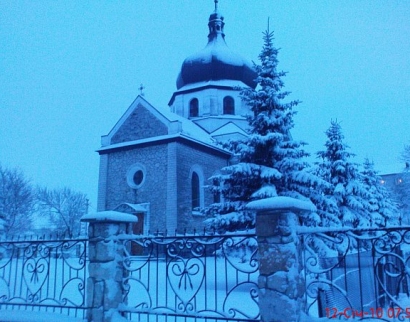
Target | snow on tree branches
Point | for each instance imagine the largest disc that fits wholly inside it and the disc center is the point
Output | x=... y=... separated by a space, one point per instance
x=384 y=211
x=353 y=198
x=270 y=161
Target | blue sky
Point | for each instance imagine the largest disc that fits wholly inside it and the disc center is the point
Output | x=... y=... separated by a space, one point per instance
x=70 y=69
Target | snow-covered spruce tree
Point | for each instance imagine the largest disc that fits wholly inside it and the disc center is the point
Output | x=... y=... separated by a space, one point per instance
x=401 y=189
x=270 y=163
x=384 y=211
x=349 y=200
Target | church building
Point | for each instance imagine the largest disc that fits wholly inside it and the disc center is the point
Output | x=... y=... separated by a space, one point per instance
x=156 y=161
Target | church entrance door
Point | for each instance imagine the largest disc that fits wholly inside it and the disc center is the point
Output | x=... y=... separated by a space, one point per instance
x=137 y=229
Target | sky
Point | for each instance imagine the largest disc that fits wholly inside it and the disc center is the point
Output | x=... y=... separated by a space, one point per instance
x=70 y=69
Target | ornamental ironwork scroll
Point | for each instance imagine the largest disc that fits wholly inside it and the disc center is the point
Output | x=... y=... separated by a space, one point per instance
x=358 y=274
x=43 y=275
x=192 y=276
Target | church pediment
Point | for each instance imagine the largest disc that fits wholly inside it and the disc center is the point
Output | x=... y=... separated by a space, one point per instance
x=229 y=131
x=140 y=121
x=213 y=123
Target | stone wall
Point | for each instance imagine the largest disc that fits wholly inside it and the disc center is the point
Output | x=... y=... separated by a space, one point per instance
x=153 y=190
x=141 y=124
x=281 y=282
x=105 y=291
x=187 y=158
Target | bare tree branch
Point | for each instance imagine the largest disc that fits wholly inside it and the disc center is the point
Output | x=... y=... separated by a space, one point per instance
x=16 y=201
x=63 y=207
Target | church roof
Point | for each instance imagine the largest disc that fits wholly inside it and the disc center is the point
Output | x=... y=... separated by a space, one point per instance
x=177 y=127
x=216 y=61
x=229 y=129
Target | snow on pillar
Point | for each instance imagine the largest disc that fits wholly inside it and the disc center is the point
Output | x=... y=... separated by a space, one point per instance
x=281 y=283
x=106 y=273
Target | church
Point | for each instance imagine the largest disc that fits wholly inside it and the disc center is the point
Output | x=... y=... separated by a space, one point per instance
x=156 y=162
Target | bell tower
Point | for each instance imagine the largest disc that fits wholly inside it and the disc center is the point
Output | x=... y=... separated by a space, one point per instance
x=209 y=82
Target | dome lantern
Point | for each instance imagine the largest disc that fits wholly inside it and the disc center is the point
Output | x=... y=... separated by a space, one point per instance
x=216 y=61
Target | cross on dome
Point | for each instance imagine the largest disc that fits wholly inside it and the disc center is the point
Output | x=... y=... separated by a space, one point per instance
x=141 y=89
x=216 y=61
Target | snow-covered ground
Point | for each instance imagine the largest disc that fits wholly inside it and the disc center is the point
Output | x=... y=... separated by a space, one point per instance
x=203 y=286
x=30 y=316
x=48 y=276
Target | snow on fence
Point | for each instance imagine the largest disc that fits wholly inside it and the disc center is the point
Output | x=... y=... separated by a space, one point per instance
x=43 y=275
x=358 y=273
x=196 y=277
x=280 y=273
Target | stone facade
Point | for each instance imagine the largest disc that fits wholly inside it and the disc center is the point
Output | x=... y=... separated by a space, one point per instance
x=145 y=140
x=195 y=158
x=154 y=188
x=167 y=186
x=140 y=124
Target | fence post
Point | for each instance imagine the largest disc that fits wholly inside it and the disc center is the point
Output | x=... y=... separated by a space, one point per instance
x=281 y=283
x=105 y=270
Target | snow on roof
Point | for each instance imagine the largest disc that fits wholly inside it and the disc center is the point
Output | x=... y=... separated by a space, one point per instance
x=219 y=82
x=281 y=204
x=109 y=216
x=190 y=129
x=187 y=127
x=134 y=206
x=228 y=129
x=160 y=138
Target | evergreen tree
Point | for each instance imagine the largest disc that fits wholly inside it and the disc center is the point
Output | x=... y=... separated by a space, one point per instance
x=270 y=162
x=384 y=211
x=348 y=199
x=401 y=188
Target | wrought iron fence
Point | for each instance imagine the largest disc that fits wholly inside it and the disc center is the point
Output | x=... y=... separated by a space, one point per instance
x=358 y=273
x=39 y=274
x=195 y=277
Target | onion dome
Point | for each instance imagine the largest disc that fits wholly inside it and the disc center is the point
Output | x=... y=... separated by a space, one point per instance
x=216 y=61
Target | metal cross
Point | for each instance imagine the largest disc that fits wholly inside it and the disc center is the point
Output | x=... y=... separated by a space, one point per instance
x=216 y=5
x=141 y=88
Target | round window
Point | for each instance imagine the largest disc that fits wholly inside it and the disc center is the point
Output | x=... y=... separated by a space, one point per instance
x=136 y=176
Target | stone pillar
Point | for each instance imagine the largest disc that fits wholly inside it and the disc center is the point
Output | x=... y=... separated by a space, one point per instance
x=281 y=283
x=105 y=270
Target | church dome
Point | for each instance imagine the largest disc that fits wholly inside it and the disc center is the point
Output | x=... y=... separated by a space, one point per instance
x=216 y=61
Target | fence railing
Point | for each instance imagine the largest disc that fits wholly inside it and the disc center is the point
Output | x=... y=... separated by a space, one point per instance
x=200 y=277
x=46 y=275
x=358 y=273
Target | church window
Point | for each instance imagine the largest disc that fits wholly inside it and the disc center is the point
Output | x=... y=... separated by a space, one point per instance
x=136 y=176
x=216 y=193
x=229 y=105
x=193 y=107
x=196 y=191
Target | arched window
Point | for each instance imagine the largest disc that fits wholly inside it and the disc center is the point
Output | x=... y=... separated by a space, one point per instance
x=216 y=193
x=229 y=105
x=193 y=107
x=196 y=191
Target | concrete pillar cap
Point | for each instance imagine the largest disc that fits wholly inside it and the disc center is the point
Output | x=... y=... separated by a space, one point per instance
x=109 y=216
x=281 y=204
